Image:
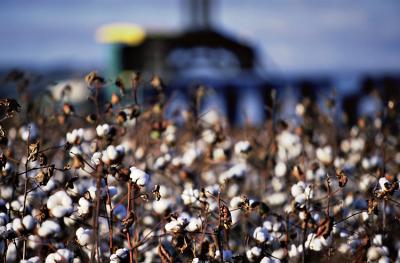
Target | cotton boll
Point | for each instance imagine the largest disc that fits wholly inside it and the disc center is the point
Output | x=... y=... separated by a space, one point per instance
x=293 y=252
x=162 y=205
x=61 y=255
x=384 y=183
x=297 y=189
x=96 y=158
x=3 y=219
x=374 y=253
x=253 y=253
x=190 y=196
x=209 y=136
x=280 y=169
x=122 y=253
x=84 y=236
x=324 y=154
x=49 y=228
x=277 y=199
x=103 y=130
x=17 y=225
x=227 y=255
x=112 y=153
x=173 y=227
x=75 y=150
x=29 y=222
x=261 y=234
x=377 y=240
x=12 y=252
x=279 y=253
x=84 y=206
x=139 y=177
x=242 y=147
x=195 y=224
x=60 y=204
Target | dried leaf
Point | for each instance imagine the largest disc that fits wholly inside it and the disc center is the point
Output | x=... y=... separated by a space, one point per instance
x=225 y=216
x=156 y=192
x=128 y=221
x=33 y=151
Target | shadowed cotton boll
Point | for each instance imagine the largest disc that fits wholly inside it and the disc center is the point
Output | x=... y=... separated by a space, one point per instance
x=261 y=234
x=253 y=253
x=60 y=204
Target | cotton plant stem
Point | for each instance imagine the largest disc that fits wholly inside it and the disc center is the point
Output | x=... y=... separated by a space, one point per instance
x=128 y=235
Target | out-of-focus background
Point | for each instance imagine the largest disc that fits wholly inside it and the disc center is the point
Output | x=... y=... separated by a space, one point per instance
x=351 y=46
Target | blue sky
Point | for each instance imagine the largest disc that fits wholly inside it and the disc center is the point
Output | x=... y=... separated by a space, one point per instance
x=291 y=36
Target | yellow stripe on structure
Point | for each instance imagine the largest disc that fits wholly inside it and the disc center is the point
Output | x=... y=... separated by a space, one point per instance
x=121 y=33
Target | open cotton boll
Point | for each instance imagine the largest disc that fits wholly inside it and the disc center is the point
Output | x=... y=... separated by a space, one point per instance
x=209 y=136
x=122 y=253
x=49 y=228
x=175 y=225
x=84 y=236
x=139 y=177
x=3 y=219
x=325 y=154
x=384 y=183
x=12 y=252
x=261 y=234
x=29 y=131
x=253 y=253
x=61 y=255
x=190 y=196
x=242 y=147
x=60 y=204
x=29 y=222
x=112 y=153
x=280 y=169
x=162 y=205
x=75 y=136
x=75 y=150
x=194 y=224
x=103 y=130
x=17 y=225
x=297 y=189
x=96 y=158
x=84 y=206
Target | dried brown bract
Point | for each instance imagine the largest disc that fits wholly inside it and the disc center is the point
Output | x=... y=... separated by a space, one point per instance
x=33 y=151
x=225 y=216
x=68 y=109
x=156 y=192
x=372 y=206
x=164 y=254
x=9 y=106
x=342 y=178
x=93 y=79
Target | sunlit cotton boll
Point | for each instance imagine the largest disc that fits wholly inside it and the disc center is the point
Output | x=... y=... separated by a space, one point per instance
x=103 y=130
x=75 y=136
x=261 y=234
x=84 y=236
x=61 y=255
x=49 y=228
x=280 y=169
x=325 y=154
x=139 y=177
x=96 y=158
x=60 y=204
x=190 y=196
x=194 y=224
x=242 y=147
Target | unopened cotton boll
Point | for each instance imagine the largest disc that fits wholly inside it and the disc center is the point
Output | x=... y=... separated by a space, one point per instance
x=261 y=234
x=139 y=177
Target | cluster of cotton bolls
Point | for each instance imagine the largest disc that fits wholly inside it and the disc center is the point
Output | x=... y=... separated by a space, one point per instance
x=132 y=183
